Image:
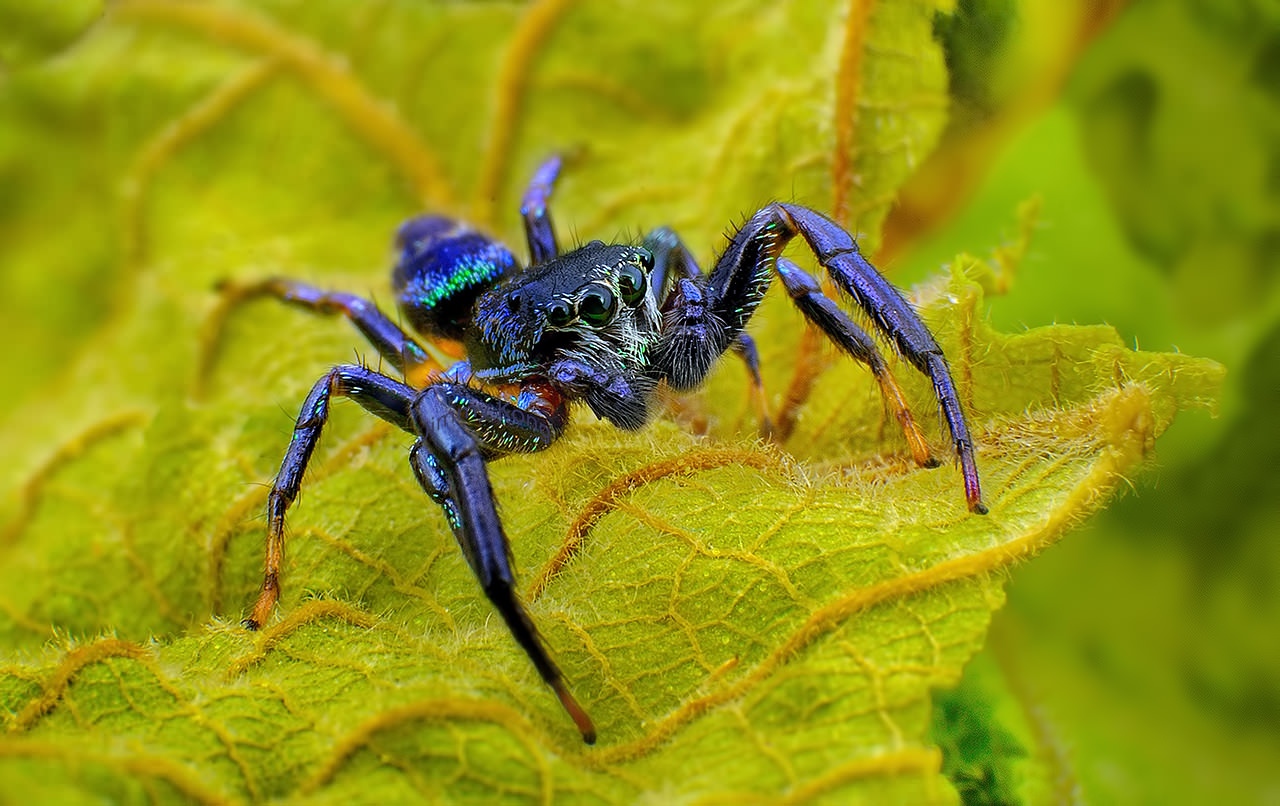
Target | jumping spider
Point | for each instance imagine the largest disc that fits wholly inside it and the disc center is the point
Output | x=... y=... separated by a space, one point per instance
x=605 y=324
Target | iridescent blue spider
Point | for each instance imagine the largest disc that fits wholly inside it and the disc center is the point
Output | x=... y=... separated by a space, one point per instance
x=605 y=324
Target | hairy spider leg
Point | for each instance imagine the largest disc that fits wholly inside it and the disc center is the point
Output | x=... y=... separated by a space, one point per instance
x=394 y=345
x=537 y=216
x=459 y=428
x=745 y=348
x=831 y=319
x=672 y=263
x=379 y=395
x=711 y=316
x=894 y=316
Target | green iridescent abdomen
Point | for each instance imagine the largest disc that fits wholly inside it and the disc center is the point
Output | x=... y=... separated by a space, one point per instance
x=444 y=266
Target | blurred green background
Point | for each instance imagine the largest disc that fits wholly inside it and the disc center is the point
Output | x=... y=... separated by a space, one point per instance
x=1138 y=661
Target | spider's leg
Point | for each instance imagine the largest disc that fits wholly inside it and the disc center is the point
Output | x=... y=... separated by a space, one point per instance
x=741 y=276
x=394 y=345
x=536 y=215
x=895 y=317
x=672 y=262
x=459 y=427
x=745 y=348
x=831 y=319
x=378 y=394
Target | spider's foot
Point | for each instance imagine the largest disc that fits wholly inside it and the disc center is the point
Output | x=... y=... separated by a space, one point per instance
x=972 y=491
x=267 y=599
x=768 y=432
x=585 y=726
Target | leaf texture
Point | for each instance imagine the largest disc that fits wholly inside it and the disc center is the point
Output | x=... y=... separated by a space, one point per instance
x=744 y=622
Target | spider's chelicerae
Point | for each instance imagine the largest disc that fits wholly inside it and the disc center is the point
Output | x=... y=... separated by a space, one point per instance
x=605 y=324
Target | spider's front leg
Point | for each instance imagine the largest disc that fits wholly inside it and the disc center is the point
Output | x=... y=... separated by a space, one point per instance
x=674 y=279
x=823 y=312
x=379 y=395
x=459 y=428
x=741 y=277
x=888 y=309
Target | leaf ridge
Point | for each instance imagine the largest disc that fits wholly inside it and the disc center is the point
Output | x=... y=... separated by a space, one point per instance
x=920 y=760
x=306 y=613
x=72 y=664
x=372 y=119
x=535 y=26
x=177 y=775
x=610 y=496
x=32 y=489
x=699 y=549
x=1126 y=410
x=388 y=570
x=202 y=116
x=433 y=710
x=229 y=524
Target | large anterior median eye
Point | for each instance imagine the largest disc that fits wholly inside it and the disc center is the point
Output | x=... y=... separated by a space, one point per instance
x=597 y=306
x=559 y=313
x=631 y=284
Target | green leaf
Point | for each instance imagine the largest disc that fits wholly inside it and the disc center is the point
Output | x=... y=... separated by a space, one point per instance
x=1155 y=173
x=742 y=621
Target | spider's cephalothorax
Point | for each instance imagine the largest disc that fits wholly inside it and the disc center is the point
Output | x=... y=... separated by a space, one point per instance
x=605 y=324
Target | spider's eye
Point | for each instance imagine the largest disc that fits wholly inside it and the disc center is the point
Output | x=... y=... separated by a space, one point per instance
x=559 y=313
x=631 y=283
x=646 y=259
x=598 y=305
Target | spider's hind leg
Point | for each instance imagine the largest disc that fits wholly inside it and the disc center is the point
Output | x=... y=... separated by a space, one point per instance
x=394 y=345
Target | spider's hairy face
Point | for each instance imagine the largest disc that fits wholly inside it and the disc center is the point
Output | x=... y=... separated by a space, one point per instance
x=593 y=305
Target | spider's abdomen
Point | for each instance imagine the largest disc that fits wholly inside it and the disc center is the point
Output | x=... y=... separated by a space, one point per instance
x=444 y=265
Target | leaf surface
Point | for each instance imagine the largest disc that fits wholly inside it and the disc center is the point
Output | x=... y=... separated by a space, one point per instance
x=742 y=621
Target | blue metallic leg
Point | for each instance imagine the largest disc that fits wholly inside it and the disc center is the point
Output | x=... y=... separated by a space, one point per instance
x=536 y=215
x=379 y=395
x=831 y=319
x=895 y=317
x=715 y=314
x=459 y=429
x=392 y=343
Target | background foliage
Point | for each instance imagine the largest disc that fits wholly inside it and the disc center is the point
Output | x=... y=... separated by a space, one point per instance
x=148 y=153
x=1141 y=652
